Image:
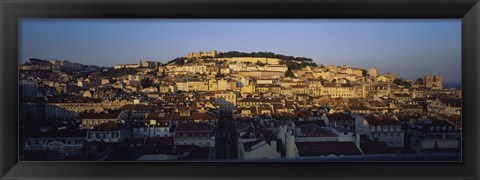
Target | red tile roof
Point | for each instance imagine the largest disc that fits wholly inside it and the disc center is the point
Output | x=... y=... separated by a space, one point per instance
x=109 y=126
x=380 y=120
x=326 y=148
x=60 y=133
x=313 y=130
x=452 y=102
x=100 y=115
x=189 y=127
x=339 y=116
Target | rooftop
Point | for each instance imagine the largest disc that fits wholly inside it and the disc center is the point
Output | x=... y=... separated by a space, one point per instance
x=189 y=127
x=327 y=148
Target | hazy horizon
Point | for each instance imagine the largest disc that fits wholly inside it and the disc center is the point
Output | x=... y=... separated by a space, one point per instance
x=409 y=48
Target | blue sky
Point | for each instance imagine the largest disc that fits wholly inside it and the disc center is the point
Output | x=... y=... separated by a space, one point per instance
x=410 y=48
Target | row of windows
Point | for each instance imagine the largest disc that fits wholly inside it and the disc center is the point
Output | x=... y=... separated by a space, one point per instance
x=193 y=135
x=387 y=134
x=385 y=128
x=102 y=135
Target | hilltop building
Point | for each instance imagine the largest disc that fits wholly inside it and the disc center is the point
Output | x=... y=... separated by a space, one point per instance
x=212 y=53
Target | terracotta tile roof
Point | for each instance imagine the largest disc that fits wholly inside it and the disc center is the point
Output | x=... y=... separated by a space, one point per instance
x=402 y=95
x=450 y=117
x=137 y=107
x=249 y=146
x=141 y=107
x=404 y=118
x=249 y=100
x=326 y=148
x=100 y=115
x=188 y=127
x=194 y=116
x=409 y=106
x=328 y=85
x=301 y=123
x=339 y=116
x=268 y=86
x=109 y=126
x=203 y=115
x=380 y=120
x=358 y=108
x=60 y=133
x=298 y=86
x=452 y=102
x=376 y=104
x=426 y=125
x=313 y=130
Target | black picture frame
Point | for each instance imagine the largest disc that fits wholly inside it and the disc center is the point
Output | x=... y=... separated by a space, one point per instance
x=467 y=10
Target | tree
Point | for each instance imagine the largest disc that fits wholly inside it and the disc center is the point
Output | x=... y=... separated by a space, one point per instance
x=207 y=60
x=402 y=82
x=364 y=72
x=289 y=73
x=261 y=54
x=146 y=83
x=419 y=80
x=178 y=61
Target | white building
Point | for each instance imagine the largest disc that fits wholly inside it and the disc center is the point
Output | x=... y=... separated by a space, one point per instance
x=65 y=142
x=259 y=150
x=281 y=68
x=434 y=135
x=381 y=128
x=373 y=72
x=90 y=120
x=227 y=101
x=109 y=132
x=28 y=88
x=200 y=134
x=152 y=128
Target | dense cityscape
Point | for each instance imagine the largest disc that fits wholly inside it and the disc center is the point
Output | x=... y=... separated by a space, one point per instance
x=232 y=106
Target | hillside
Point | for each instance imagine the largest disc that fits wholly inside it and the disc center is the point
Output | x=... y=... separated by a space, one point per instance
x=293 y=63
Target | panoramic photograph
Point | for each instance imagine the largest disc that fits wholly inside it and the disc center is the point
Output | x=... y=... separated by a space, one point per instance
x=241 y=90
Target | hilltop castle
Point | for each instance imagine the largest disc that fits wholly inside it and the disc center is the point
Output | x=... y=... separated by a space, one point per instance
x=212 y=53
